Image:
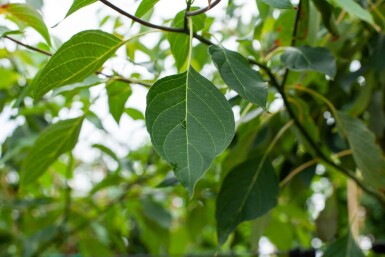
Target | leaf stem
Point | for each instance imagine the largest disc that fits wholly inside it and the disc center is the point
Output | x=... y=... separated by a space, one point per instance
x=190 y=23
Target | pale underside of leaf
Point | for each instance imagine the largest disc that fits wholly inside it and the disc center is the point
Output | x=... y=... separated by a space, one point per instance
x=190 y=123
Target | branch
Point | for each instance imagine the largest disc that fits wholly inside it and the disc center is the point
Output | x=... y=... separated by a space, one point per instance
x=203 y=10
x=138 y=20
x=293 y=40
x=35 y=49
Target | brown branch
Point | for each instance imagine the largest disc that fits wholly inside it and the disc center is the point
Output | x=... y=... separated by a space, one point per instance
x=203 y=10
x=35 y=49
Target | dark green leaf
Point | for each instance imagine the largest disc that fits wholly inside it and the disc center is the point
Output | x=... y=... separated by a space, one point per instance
x=237 y=74
x=249 y=191
x=156 y=212
x=118 y=93
x=75 y=60
x=308 y=58
x=344 y=247
x=281 y=4
x=190 y=123
x=326 y=10
x=55 y=140
x=366 y=153
x=78 y=4
x=27 y=14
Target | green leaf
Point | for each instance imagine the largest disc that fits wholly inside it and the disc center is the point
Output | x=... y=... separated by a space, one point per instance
x=190 y=122
x=237 y=74
x=326 y=10
x=134 y=113
x=344 y=247
x=310 y=58
x=27 y=14
x=281 y=4
x=118 y=93
x=354 y=9
x=366 y=153
x=55 y=140
x=156 y=212
x=144 y=7
x=180 y=42
x=8 y=78
x=75 y=60
x=78 y=4
x=249 y=191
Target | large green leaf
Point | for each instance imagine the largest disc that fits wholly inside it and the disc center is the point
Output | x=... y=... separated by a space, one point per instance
x=144 y=7
x=281 y=4
x=366 y=153
x=75 y=60
x=118 y=93
x=344 y=247
x=27 y=14
x=190 y=122
x=78 y=4
x=180 y=42
x=249 y=191
x=55 y=140
x=237 y=74
x=308 y=58
x=353 y=8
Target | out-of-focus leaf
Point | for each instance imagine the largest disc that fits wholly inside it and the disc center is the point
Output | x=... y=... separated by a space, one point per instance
x=366 y=153
x=327 y=220
x=78 y=4
x=134 y=113
x=308 y=58
x=55 y=140
x=75 y=60
x=4 y=31
x=249 y=191
x=118 y=93
x=354 y=9
x=281 y=4
x=144 y=7
x=345 y=246
x=7 y=78
x=190 y=122
x=156 y=212
x=326 y=10
x=237 y=74
x=27 y=14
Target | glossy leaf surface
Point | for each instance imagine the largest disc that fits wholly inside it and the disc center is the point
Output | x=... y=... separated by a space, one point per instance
x=75 y=60
x=190 y=122
x=237 y=74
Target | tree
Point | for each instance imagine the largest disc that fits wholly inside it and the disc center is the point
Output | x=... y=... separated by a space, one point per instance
x=306 y=79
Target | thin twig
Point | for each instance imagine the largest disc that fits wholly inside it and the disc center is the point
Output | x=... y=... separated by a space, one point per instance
x=138 y=20
x=28 y=46
x=203 y=10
